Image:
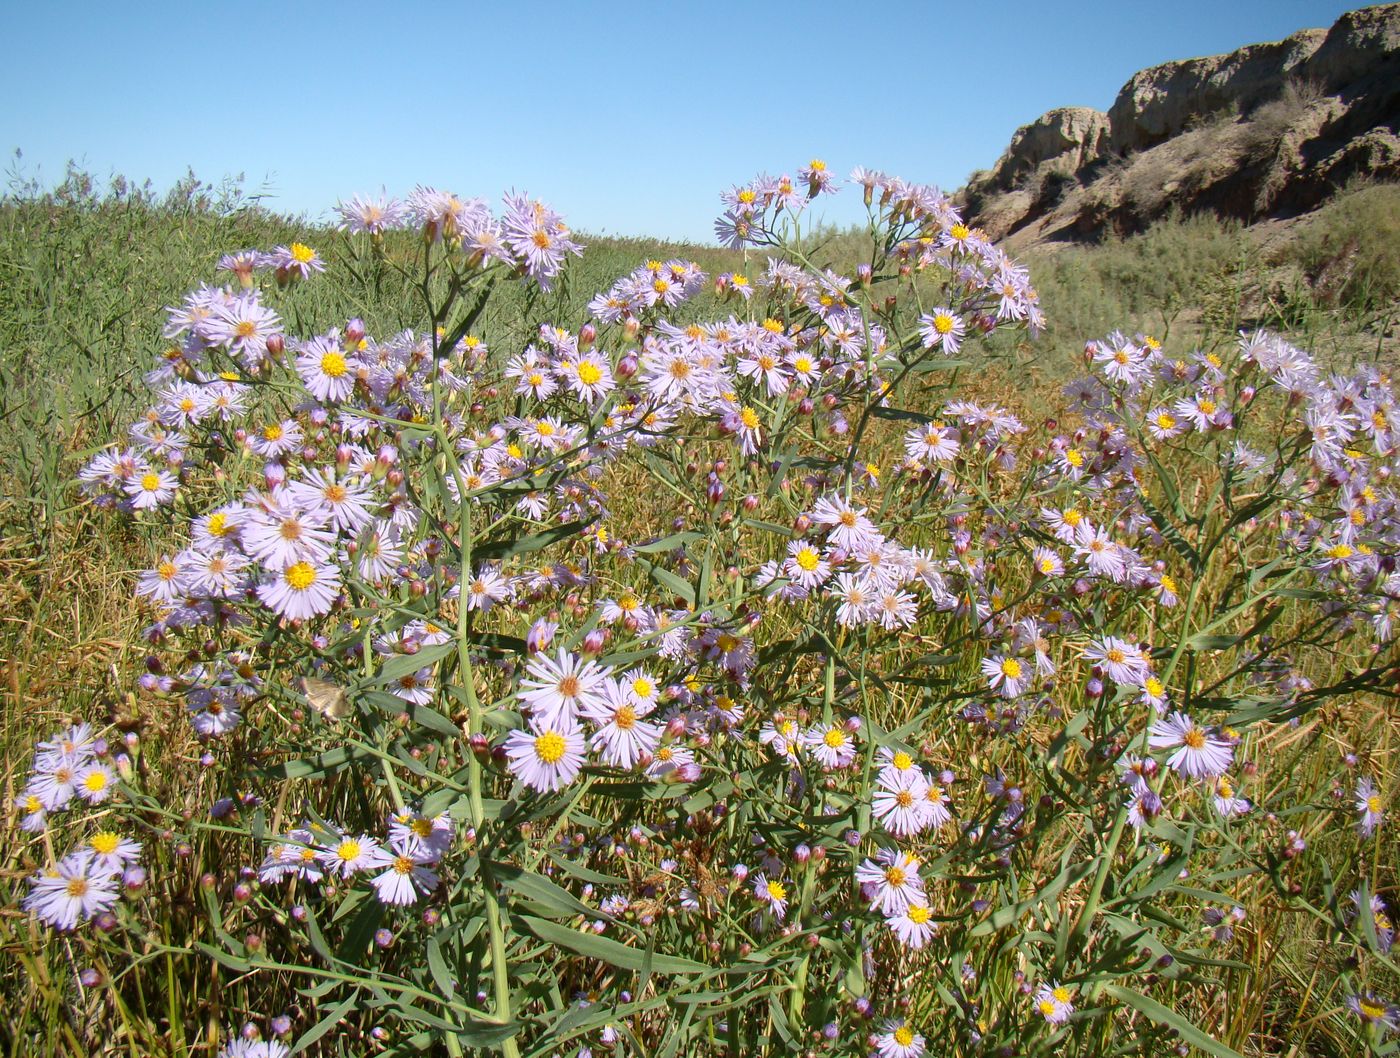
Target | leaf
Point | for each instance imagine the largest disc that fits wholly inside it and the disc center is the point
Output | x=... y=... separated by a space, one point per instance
x=401 y=665
x=441 y=972
x=1008 y=915
x=502 y=549
x=898 y=414
x=316 y=767
x=668 y=543
x=224 y=958
x=667 y=579
x=327 y=1023
x=542 y=891
x=608 y=951
x=1169 y=1018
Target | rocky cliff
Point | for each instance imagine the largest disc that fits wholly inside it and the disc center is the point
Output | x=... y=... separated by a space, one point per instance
x=1271 y=130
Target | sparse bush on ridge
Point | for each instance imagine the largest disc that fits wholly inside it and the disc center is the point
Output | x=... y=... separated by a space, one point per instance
x=547 y=662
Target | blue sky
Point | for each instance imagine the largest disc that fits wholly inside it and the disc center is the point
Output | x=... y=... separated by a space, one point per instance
x=627 y=117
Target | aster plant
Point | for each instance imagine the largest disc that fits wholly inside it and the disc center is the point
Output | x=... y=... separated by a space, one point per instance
x=662 y=683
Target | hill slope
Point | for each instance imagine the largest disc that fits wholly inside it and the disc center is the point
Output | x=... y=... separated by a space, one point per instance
x=1269 y=131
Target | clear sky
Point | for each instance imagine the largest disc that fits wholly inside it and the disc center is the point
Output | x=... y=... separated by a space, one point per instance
x=627 y=117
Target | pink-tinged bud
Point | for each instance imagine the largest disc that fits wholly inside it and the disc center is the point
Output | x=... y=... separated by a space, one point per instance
x=805 y=406
x=750 y=503
x=688 y=772
x=627 y=366
x=829 y=401
x=675 y=727
x=720 y=466
x=1246 y=395
x=630 y=327
x=801 y=524
x=411 y=646
x=253 y=942
x=853 y=724
x=387 y=456
x=595 y=641
x=275 y=344
x=715 y=493
x=839 y=555
x=355 y=330
x=242 y=892
x=274 y=474
x=863 y=273
x=394 y=477
x=417 y=589
x=802 y=853
x=240 y=435
x=308 y=452
x=587 y=335
x=740 y=871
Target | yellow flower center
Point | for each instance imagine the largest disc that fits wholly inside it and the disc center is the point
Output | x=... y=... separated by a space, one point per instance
x=808 y=559
x=403 y=865
x=895 y=876
x=349 y=850
x=626 y=718
x=1074 y=457
x=904 y=1035
x=273 y=432
x=1011 y=668
x=942 y=323
x=904 y=798
x=1373 y=803
x=1195 y=738
x=749 y=418
x=835 y=738
x=96 y=781
x=300 y=576
x=150 y=481
x=550 y=747
x=76 y=887
x=333 y=365
x=1207 y=406
x=302 y=254
x=104 y=843
x=245 y=329
x=1072 y=518
x=589 y=373
x=777 y=891
x=1061 y=994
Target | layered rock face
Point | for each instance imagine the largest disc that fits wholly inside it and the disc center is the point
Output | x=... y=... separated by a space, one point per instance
x=1269 y=130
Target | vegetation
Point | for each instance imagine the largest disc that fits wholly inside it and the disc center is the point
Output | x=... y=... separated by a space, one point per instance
x=1095 y=887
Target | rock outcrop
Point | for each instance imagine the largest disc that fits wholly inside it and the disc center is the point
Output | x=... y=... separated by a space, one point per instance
x=1270 y=130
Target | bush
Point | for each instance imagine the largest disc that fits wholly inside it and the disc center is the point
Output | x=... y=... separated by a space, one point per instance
x=613 y=683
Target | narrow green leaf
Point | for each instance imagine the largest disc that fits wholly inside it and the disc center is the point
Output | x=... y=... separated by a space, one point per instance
x=606 y=950
x=1169 y=1018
